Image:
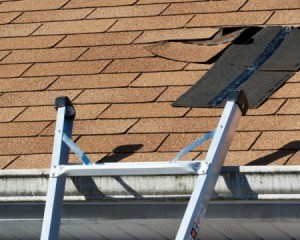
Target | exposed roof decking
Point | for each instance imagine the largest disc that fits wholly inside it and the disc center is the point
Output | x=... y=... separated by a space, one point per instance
x=97 y=53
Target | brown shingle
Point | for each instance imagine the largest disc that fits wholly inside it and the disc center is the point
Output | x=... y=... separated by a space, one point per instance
x=174 y=125
x=284 y=140
x=289 y=90
x=292 y=106
x=26 y=145
x=54 y=15
x=146 y=157
x=44 y=55
x=23 y=129
x=268 y=108
x=237 y=158
x=18 y=30
x=99 y=39
x=29 y=42
x=205 y=112
x=66 y=68
x=8 y=17
x=25 y=84
x=168 y=78
x=270 y=5
x=15 y=70
x=119 y=95
x=28 y=5
x=97 y=3
x=285 y=17
x=176 y=142
x=204 y=7
x=128 y=11
x=94 y=81
x=120 y=143
x=115 y=52
x=8 y=114
x=229 y=19
x=148 y=23
x=295 y=77
x=172 y=93
x=34 y=98
x=143 y=110
x=5 y=160
x=91 y=127
x=176 y=34
x=143 y=65
x=89 y=111
x=186 y=52
x=69 y=27
x=266 y=123
x=295 y=159
x=3 y=54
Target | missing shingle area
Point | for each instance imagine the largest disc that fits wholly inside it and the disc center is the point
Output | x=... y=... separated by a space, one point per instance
x=246 y=54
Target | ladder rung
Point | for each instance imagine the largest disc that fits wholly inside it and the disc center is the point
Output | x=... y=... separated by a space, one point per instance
x=131 y=169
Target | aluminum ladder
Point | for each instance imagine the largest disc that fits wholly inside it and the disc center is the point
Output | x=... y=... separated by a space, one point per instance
x=207 y=171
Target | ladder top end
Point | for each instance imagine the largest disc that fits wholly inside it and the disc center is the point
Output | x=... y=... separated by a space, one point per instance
x=65 y=102
x=240 y=98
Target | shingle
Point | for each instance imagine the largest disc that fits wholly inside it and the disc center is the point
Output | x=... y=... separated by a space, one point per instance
x=8 y=17
x=292 y=106
x=8 y=114
x=285 y=17
x=99 y=39
x=120 y=143
x=26 y=145
x=150 y=23
x=5 y=160
x=23 y=129
x=267 y=108
x=44 y=55
x=204 y=7
x=186 y=52
x=295 y=159
x=284 y=140
x=172 y=93
x=162 y=1
x=70 y=27
x=66 y=68
x=175 y=78
x=54 y=15
x=92 y=127
x=229 y=19
x=119 y=95
x=174 y=125
x=29 y=42
x=94 y=81
x=176 y=142
x=31 y=5
x=205 y=112
x=289 y=90
x=18 y=30
x=198 y=66
x=143 y=65
x=143 y=110
x=146 y=157
x=176 y=34
x=295 y=77
x=15 y=70
x=25 y=84
x=44 y=113
x=128 y=11
x=270 y=5
x=238 y=158
x=3 y=54
x=96 y=3
x=267 y=123
x=37 y=98
x=116 y=52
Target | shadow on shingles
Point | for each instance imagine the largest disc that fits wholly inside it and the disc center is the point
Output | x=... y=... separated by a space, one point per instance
x=268 y=159
x=89 y=189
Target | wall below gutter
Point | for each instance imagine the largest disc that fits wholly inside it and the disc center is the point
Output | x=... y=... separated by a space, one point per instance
x=234 y=183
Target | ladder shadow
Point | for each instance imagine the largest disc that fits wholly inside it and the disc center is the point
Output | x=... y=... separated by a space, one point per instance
x=89 y=188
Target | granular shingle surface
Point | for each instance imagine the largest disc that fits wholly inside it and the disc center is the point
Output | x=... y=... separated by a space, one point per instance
x=123 y=63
